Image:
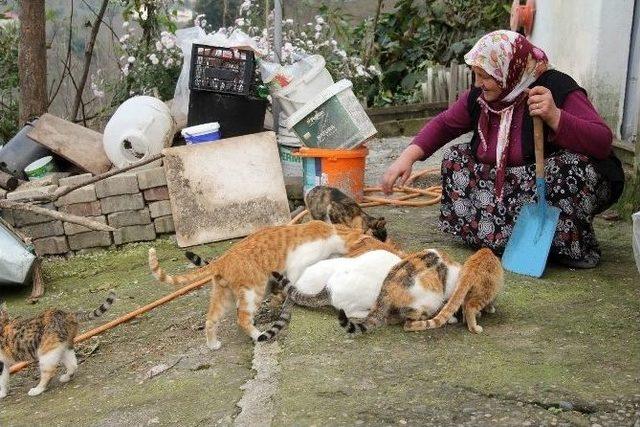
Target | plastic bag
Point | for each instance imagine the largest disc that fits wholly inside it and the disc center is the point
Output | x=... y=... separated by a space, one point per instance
x=277 y=76
x=180 y=105
x=636 y=238
x=15 y=258
x=185 y=38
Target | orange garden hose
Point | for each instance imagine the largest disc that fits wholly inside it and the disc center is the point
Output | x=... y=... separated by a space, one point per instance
x=115 y=322
x=433 y=194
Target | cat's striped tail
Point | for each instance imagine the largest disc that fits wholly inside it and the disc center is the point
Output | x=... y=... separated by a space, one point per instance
x=285 y=311
x=281 y=323
x=195 y=259
x=180 y=280
x=85 y=316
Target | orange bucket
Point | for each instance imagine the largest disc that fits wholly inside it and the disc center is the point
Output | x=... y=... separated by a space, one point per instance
x=342 y=169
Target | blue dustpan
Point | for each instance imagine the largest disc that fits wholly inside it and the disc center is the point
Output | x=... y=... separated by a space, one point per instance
x=528 y=247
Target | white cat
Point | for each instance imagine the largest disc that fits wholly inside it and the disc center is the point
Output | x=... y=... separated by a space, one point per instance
x=349 y=284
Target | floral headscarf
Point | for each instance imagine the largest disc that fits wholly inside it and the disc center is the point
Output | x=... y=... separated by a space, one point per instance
x=515 y=63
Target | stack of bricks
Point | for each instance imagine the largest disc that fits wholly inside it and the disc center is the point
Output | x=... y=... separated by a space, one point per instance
x=136 y=204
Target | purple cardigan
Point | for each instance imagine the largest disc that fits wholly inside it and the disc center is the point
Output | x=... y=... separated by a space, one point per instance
x=581 y=130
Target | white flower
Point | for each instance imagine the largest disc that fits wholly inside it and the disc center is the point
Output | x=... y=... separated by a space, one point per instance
x=316 y=36
x=334 y=43
x=240 y=22
x=144 y=13
x=168 y=62
x=131 y=60
x=96 y=91
x=124 y=38
x=158 y=46
x=198 y=20
x=246 y=5
x=319 y=20
x=342 y=53
x=374 y=70
x=125 y=70
x=288 y=47
x=154 y=59
x=288 y=21
x=303 y=34
x=318 y=27
x=125 y=24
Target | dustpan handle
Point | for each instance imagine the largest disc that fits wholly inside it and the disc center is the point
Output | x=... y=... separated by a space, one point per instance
x=538 y=139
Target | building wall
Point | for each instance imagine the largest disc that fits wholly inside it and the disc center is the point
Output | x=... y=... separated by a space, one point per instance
x=589 y=40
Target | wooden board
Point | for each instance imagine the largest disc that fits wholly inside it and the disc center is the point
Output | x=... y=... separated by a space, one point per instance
x=78 y=144
x=225 y=189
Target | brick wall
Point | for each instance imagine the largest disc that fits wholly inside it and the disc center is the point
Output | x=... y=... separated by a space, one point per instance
x=136 y=203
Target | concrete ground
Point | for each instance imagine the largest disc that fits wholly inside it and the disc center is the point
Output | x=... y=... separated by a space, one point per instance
x=561 y=350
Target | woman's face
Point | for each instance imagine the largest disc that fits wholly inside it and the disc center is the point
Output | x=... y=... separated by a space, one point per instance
x=490 y=87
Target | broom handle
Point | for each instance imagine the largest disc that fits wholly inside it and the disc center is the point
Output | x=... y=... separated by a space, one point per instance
x=538 y=139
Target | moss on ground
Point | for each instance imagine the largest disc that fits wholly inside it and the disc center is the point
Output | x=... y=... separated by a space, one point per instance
x=562 y=349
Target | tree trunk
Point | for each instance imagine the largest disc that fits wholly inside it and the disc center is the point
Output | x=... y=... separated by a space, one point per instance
x=32 y=60
x=88 y=54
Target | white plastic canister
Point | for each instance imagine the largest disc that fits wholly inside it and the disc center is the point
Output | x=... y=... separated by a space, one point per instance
x=141 y=127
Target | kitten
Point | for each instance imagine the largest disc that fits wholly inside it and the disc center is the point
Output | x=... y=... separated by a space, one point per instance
x=416 y=286
x=47 y=337
x=481 y=279
x=332 y=205
x=243 y=272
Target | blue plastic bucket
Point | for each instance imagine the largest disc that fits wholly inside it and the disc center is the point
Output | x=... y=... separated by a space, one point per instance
x=198 y=134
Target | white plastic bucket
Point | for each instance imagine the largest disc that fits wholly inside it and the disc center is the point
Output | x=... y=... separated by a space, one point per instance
x=141 y=127
x=636 y=238
x=293 y=96
x=333 y=119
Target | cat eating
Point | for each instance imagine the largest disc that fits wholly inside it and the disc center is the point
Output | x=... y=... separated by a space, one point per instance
x=332 y=205
x=243 y=272
x=481 y=278
x=47 y=338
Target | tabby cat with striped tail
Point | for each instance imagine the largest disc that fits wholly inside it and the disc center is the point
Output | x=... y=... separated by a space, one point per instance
x=414 y=288
x=47 y=338
x=481 y=278
x=332 y=205
x=242 y=273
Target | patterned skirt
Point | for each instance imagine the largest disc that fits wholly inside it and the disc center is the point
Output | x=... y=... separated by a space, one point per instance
x=471 y=212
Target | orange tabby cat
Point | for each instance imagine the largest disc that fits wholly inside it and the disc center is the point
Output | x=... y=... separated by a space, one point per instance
x=245 y=269
x=417 y=285
x=481 y=279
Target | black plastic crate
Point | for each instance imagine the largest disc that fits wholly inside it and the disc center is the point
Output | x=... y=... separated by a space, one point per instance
x=221 y=69
x=237 y=115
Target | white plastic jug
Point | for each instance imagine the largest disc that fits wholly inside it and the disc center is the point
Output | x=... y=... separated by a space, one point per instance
x=297 y=93
x=141 y=127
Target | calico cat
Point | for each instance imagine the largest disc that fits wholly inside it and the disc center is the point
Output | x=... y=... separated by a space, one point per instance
x=48 y=338
x=416 y=286
x=243 y=272
x=332 y=205
x=481 y=279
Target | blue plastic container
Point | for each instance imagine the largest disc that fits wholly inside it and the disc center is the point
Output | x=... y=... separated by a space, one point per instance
x=207 y=132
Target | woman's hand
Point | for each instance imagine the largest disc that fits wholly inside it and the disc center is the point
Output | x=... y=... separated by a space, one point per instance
x=541 y=104
x=401 y=168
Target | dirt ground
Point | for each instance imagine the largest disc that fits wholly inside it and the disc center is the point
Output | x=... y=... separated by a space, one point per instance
x=561 y=350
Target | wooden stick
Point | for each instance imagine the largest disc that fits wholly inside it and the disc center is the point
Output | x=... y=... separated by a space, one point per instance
x=8 y=182
x=61 y=191
x=38 y=283
x=86 y=222
x=95 y=331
